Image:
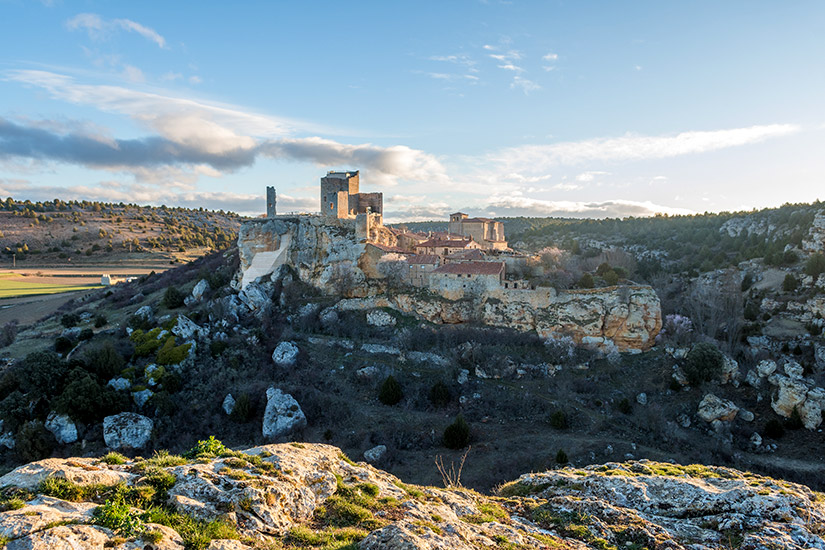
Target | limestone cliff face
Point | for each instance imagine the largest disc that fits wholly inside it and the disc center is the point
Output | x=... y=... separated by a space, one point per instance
x=320 y=251
x=629 y=317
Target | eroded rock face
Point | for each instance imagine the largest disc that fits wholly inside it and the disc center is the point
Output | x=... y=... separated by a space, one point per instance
x=127 y=431
x=283 y=415
x=83 y=471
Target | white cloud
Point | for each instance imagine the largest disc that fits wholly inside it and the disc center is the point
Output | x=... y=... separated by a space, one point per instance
x=99 y=29
x=590 y=176
x=634 y=147
x=133 y=74
x=567 y=187
x=195 y=80
x=551 y=57
x=526 y=86
x=511 y=67
x=524 y=206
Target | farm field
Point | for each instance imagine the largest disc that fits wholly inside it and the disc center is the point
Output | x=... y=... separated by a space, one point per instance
x=13 y=285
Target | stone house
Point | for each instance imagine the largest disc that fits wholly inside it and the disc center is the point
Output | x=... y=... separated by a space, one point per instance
x=420 y=267
x=341 y=197
x=457 y=279
x=470 y=255
x=444 y=247
x=488 y=233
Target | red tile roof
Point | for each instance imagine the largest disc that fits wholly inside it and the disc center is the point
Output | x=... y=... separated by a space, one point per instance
x=448 y=243
x=423 y=259
x=393 y=249
x=472 y=268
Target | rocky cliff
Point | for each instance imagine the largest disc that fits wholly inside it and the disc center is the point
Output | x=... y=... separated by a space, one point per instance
x=312 y=496
x=327 y=254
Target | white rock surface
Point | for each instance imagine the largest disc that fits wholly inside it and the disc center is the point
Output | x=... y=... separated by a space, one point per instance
x=127 y=431
x=62 y=427
x=145 y=312
x=641 y=399
x=228 y=404
x=766 y=368
x=120 y=383
x=714 y=408
x=380 y=318
x=187 y=329
x=283 y=414
x=141 y=397
x=200 y=289
x=375 y=454
x=286 y=354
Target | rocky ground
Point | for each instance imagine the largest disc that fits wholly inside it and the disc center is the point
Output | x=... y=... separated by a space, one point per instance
x=312 y=496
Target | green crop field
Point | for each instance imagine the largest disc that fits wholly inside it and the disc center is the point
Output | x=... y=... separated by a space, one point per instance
x=12 y=287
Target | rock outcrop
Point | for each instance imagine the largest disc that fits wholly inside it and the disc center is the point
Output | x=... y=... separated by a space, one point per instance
x=283 y=415
x=284 y=495
x=127 y=431
x=285 y=354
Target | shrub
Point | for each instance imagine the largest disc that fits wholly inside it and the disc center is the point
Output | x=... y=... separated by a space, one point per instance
x=774 y=429
x=815 y=265
x=390 y=392
x=624 y=406
x=104 y=360
x=561 y=457
x=242 y=412
x=790 y=283
x=603 y=268
x=209 y=448
x=703 y=363
x=558 y=420
x=457 y=434
x=100 y=320
x=439 y=394
x=119 y=517
x=70 y=320
x=34 y=441
x=173 y=298
x=586 y=281
x=8 y=334
x=611 y=278
x=170 y=354
x=795 y=420
x=86 y=334
x=63 y=345
x=86 y=400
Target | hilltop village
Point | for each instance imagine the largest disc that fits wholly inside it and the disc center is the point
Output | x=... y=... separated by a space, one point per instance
x=468 y=273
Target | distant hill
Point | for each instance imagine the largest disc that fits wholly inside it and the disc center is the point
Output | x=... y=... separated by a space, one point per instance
x=77 y=233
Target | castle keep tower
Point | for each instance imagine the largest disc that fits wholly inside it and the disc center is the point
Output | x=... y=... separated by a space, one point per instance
x=341 y=199
x=271 y=202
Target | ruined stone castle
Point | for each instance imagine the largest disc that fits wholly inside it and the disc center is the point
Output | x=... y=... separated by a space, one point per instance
x=466 y=273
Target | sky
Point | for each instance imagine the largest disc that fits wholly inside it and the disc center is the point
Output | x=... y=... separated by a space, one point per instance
x=495 y=108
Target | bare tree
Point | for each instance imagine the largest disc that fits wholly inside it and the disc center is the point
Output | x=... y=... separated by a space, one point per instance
x=715 y=307
x=342 y=278
x=394 y=269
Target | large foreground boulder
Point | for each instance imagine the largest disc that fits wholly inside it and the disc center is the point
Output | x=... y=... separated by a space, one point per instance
x=283 y=415
x=127 y=431
x=286 y=354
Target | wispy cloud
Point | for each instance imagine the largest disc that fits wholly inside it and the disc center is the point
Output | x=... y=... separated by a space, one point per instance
x=550 y=60
x=587 y=177
x=634 y=147
x=98 y=28
x=524 y=84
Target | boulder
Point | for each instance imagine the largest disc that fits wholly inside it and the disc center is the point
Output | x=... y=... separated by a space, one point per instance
x=380 y=348
x=187 y=329
x=790 y=393
x=433 y=359
x=498 y=370
x=62 y=427
x=375 y=454
x=286 y=354
x=463 y=376
x=228 y=404
x=253 y=297
x=82 y=471
x=200 y=289
x=811 y=410
x=127 y=431
x=329 y=317
x=756 y=439
x=141 y=397
x=120 y=383
x=226 y=544
x=145 y=313
x=714 y=408
x=753 y=379
x=6 y=438
x=380 y=318
x=368 y=373
x=794 y=369
x=71 y=333
x=766 y=368
x=283 y=414
x=641 y=399
x=746 y=415
x=730 y=371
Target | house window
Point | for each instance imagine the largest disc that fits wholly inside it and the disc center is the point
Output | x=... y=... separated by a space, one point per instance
x=505 y=285
x=330 y=206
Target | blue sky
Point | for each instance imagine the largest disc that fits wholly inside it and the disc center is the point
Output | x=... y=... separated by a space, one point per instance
x=495 y=108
